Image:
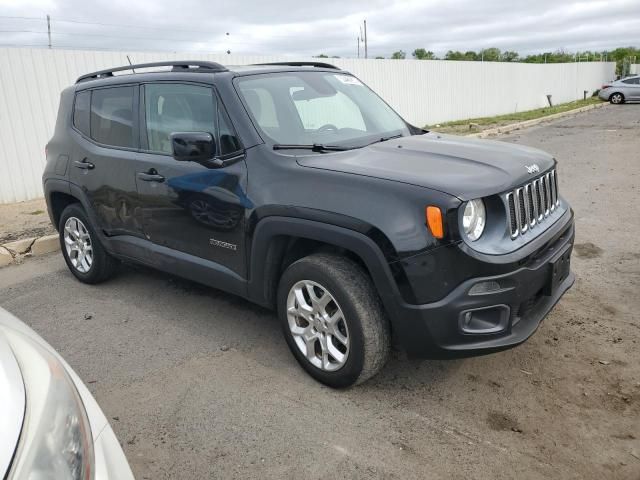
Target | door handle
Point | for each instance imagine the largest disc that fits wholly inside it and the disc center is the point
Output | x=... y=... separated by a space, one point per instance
x=84 y=164
x=151 y=176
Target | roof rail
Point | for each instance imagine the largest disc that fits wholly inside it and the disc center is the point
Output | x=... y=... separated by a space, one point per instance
x=178 y=66
x=302 y=64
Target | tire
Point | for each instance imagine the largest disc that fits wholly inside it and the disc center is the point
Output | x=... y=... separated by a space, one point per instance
x=616 y=98
x=94 y=265
x=353 y=312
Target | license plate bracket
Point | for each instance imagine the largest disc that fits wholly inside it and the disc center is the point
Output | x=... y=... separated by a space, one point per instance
x=559 y=269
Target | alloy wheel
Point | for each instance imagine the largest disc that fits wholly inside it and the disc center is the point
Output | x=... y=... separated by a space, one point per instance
x=78 y=244
x=318 y=325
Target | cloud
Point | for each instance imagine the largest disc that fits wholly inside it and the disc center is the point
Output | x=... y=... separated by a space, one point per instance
x=292 y=27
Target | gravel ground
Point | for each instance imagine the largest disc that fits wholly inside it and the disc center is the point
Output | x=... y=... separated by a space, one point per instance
x=24 y=220
x=200 y=384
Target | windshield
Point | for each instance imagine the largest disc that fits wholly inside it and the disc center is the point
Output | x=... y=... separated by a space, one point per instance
x=306 y=108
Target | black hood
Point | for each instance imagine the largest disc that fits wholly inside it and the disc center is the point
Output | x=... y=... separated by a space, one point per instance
x=465 y=167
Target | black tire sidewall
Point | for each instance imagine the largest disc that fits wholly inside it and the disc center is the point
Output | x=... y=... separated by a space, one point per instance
x=100 y=267
x=350 y=372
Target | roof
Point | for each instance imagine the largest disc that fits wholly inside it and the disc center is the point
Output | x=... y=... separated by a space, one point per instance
x=196 y=66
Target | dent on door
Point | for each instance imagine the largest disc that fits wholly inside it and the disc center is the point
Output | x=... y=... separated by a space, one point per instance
x=197 y=210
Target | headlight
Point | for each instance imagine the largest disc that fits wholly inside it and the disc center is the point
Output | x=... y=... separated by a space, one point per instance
x=56 y=441
x=474 y=219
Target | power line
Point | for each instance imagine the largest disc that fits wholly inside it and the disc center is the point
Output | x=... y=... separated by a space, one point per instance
x=102 y=35
x=137 y=27
x=129 y=37
x=21 y=18
x=108 y=49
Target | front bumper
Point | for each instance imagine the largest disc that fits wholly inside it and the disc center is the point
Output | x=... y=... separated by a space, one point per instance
x=469 y=322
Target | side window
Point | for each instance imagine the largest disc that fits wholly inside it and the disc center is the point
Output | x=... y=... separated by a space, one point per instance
x=112 y=116
x=632 y=81
x=172 y=107
x=228 y=139
x=81 y=109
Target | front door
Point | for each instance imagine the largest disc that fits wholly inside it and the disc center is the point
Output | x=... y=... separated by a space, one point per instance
x=187 y=206
x=633 y=87
x=104 y=156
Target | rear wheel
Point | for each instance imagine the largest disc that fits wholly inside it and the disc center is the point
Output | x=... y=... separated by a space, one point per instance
x=616 y=98
x=84 y=254
x=333 y=320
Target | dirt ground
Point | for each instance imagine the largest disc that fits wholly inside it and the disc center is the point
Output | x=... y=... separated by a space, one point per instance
x=200 y=384
x=24 y=220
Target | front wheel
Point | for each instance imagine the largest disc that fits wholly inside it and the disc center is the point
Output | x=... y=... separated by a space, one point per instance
x=616 y=98
x=333 y=320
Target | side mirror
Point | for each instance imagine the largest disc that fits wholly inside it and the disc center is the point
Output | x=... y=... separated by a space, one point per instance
x=193 y=146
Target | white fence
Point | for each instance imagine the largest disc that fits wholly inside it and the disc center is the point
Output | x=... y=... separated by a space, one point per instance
x=635 y=69
x=423 y=92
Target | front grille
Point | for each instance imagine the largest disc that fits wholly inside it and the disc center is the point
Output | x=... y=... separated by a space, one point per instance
x=532 y=203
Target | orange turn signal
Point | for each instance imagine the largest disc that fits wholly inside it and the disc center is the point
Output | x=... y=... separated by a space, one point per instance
x=434 y=221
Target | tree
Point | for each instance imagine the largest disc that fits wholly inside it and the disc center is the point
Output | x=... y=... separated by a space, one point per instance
x=471 y=55
x=490 y=55
x=379 y=58
x=422 y=54
x=454 y=55
x=510 y=56
x=322 y=55
x=399 y=55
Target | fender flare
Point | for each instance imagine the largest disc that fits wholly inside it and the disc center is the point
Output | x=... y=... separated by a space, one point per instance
x=54 y=185
x=261 y=264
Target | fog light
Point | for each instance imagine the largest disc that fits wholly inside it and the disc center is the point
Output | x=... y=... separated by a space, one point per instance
x=484 y=320
x=484 y=287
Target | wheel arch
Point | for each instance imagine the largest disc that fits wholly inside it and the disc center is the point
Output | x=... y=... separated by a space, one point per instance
x=59 y=194
x=617 y=92
x=279 y=241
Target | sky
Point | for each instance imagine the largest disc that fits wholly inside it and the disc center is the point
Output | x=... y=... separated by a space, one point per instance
x=331 y=27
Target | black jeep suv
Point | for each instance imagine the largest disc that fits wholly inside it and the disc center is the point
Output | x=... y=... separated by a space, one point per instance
x=296 y=187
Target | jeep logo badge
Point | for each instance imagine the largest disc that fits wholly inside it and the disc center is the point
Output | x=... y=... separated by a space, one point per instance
x=533 y=168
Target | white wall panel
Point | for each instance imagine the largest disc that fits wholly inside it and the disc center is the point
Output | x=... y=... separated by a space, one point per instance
x=423 y=92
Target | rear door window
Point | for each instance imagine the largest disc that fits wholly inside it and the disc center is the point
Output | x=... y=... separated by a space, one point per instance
x=112 y=116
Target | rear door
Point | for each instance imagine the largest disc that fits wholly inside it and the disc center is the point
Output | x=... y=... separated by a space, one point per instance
x=188 y=206
x=103 y=159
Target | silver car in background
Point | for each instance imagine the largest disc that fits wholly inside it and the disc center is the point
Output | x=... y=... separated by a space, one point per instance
x=623 y=90
x=50 y=425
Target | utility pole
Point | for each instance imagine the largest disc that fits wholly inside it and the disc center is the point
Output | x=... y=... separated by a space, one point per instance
x=366 y=51
x=49 y=29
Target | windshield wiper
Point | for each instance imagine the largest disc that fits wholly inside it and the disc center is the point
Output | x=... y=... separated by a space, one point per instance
x=316 y=147
x=384 y=139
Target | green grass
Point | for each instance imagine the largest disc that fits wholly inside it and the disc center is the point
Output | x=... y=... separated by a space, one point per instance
x=474 y=125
